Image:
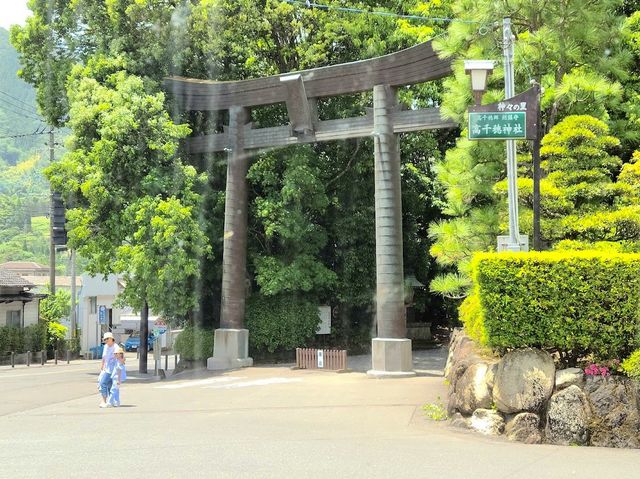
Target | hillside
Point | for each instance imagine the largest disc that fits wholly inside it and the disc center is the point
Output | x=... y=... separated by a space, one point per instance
x=24 y=192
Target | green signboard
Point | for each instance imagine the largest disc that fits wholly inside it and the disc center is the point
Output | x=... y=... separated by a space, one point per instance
x=487 y=125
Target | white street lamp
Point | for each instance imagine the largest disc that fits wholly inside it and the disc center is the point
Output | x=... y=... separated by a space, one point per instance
x=479 y=71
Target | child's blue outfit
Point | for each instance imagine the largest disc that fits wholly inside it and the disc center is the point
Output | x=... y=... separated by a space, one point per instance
x=104 y=380
x=114 y=393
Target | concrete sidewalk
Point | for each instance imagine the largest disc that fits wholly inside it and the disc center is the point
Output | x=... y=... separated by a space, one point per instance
x=275 y=422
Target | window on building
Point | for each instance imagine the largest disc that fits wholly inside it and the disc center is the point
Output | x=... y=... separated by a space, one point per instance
x=14 y=319
x=93 y=305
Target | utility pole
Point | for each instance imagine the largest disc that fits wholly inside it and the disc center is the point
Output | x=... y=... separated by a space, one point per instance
x=52 y=246
x=512 y=165
x=73 y=295
x=144 y=338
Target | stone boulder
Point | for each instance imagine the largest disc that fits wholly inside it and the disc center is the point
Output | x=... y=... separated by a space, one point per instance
x=524 y=381
x=524 y=427
x=615 y=404
x=458 y=420
x=471 y=391
x=487 y=421
x=568 y=417
x=568 y=377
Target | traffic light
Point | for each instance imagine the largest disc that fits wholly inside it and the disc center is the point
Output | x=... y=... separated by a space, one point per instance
x=58 y=230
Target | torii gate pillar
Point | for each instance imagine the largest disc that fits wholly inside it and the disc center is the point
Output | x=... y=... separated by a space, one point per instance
x=231 y=340
x=390 y=350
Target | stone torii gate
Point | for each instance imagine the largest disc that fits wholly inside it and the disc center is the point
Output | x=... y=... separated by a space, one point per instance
x=391 y=350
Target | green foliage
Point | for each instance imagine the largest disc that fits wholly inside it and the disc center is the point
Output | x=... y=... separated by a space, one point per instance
x=631 y=365
x=55 y=306
x=56 y=333
x=20 y=340
x=558 y=44
x=311 y=224
x=435 y=411
x=194 y=343
x=575 y=302
x=136 y=202
x=472 y=317
x=278 y=323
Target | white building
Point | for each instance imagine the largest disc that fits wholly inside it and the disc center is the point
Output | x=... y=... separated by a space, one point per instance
x=97 y=314
x=19 y=307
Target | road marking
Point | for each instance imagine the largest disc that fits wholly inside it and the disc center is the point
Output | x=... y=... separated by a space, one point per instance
x=199 y=382
x=257 y=382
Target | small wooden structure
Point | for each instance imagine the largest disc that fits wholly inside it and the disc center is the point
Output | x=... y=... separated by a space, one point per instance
x=331 y=359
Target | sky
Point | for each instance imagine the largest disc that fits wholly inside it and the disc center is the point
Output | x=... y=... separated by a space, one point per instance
x=13 y=11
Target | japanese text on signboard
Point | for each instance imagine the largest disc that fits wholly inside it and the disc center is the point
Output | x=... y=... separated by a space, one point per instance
x=498 y=125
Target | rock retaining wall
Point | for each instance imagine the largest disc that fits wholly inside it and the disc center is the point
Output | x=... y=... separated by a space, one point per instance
x=522 y=396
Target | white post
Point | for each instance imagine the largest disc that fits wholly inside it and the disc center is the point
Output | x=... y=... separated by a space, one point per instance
x=512 y=164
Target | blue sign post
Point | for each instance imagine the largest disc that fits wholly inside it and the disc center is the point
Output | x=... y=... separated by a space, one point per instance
x=102 y=314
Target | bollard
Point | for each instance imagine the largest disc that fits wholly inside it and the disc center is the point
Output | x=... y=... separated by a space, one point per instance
x=166 y=362
x=43 y=355
x=28 y=358
x=175 y=361
x=55 y=356
x=68 y=356
x=13 y=359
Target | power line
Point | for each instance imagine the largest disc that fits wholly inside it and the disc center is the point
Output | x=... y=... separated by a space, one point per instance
x=24 y=135
x=20 y=113
x=19 y=101
x=309 y=4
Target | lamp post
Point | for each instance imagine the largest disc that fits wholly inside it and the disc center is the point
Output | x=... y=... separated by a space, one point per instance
x=479 y=71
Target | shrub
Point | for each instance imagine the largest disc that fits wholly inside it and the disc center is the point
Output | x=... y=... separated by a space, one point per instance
x=631 y=365
x=576 y=302
x=471 y=317
x=20 y=340
x=56 y=333
x=281 y=322
x=11 y=339
x=35 y=337
x=194 y=343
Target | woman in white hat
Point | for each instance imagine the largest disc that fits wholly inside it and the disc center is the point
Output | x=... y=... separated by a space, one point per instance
x=109 y=362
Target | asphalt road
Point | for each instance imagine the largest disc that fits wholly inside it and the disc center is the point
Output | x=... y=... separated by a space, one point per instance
x=262 y=422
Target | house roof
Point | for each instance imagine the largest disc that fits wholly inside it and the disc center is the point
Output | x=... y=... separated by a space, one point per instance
x=61 y=281
x=9 y=279
x=24 y=265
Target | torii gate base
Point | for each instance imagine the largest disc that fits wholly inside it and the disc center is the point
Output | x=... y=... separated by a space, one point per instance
x=391 y=358
x=231 y=349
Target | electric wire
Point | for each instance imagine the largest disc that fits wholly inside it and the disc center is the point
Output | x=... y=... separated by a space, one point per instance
x=16 y=99
x=320 y=6
x=23 y=135
x=20 y=113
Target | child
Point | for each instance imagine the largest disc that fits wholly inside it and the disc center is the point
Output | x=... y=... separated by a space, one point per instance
x=118 y=376
x=107 y=366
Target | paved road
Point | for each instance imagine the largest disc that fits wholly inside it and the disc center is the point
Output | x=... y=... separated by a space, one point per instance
x=263 y=422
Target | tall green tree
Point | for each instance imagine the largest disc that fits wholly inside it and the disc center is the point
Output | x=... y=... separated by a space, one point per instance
x=318 y=245
x=136 y=205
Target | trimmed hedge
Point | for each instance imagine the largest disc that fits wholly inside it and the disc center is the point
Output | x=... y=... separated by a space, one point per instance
x=577 y=302
x=281 y=322
x=194 y=343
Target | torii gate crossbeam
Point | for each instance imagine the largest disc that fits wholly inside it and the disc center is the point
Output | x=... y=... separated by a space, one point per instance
x=391 y=350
